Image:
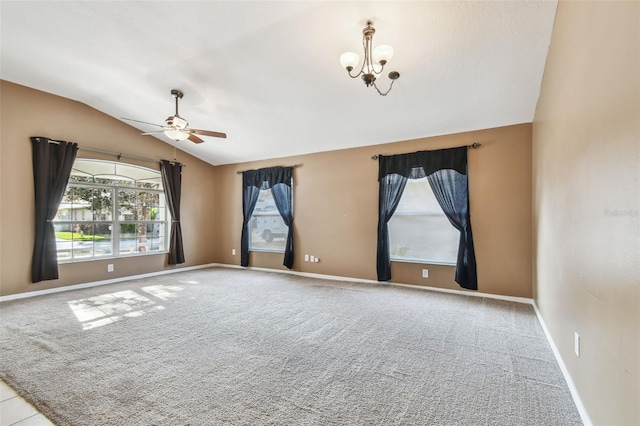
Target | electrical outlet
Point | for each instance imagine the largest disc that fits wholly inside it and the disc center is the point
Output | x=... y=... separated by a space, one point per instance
x=110 y=267
x=306 y=257
x=576 y=344
x=425 y=273
x=233 y=252
x=312 y=259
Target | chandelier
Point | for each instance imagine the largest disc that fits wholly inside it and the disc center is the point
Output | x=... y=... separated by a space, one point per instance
x=374 y=60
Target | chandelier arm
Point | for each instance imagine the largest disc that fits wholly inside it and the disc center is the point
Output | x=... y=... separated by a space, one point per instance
x=363 y=63
x=385 y=93
x=357 y=75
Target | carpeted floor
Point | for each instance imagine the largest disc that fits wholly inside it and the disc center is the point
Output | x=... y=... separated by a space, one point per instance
x=227 y=346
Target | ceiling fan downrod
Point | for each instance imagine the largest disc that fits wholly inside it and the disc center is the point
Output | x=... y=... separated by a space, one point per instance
x=176 y=95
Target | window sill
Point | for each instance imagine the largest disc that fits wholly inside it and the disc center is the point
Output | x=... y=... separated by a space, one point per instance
x=424 y=262
x=266 y=251
x=125 y=256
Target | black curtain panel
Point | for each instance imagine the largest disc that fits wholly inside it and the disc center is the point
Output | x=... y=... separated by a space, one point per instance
x=451 y=191
x=278 y=179
x=446 y=170
x=282 y=197
x=52 y=164
x=172 y=182
x=249 y=199
x=391 y=189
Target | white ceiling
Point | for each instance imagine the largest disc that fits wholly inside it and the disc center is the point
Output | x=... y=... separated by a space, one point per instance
x=268 y=73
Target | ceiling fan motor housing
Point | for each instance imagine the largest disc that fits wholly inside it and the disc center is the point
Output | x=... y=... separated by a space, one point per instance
x=176 y=122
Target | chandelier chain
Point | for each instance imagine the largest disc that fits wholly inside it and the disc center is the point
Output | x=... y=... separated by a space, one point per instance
x=385 y=93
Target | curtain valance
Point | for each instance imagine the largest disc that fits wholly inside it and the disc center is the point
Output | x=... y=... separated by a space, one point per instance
x=419 y=164
x=266 y=178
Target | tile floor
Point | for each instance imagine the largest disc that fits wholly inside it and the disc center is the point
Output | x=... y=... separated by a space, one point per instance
x=16 y=411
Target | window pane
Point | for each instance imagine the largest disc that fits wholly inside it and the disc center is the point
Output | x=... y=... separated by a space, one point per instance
x=65 y=207
x=63 y=240
x=147 y=205
x=102 y=203
x=268 y=230
x=155 y=238
x=142 y=237
x=127 y=205
x=419 y=229
x=102 y=240
x=127 y=238
x=82 y=240
x=150 y=183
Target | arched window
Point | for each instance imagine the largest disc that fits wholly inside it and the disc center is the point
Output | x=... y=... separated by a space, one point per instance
x=111 y=209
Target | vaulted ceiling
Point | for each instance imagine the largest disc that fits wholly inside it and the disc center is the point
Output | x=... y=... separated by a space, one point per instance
x=268 y=73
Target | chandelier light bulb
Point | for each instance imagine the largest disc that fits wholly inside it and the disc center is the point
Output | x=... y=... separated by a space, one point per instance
x=382 y=54
x=349 y=60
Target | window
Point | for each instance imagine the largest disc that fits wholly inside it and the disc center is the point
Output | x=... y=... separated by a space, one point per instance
x=419 y=230
x=268 y=230
x=111 y=209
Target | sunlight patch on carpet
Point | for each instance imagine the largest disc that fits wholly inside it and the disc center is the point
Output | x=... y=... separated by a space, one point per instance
x=163 y=292
x=110 y=308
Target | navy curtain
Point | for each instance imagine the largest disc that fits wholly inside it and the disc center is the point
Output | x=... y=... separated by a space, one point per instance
x=278 y=179
x=249 y=199
x=451 y=191
x=446 y=171
x=391 y=189
x=52 y=164
x=172 y=183
x=282 y=196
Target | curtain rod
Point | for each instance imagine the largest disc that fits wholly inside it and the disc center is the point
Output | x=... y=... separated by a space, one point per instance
x=116 y=154
x=295 y=166
x=474 y=145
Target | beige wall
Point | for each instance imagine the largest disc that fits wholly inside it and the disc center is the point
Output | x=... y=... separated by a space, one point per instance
x=336 y=211
x=26 y=112
x=586 y=144
x=335 y=197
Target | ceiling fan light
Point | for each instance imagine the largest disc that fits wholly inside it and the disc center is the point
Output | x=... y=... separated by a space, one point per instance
x=384 y=52
x=176 y=134
x=177 y=122
x=349 y=60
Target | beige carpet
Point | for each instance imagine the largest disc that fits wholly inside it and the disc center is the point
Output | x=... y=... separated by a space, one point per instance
x=226 y=346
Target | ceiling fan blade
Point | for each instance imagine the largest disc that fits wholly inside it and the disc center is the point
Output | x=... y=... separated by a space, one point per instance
x=207 y=133
x=193 y=138
x=152 y=133
x=143 y=122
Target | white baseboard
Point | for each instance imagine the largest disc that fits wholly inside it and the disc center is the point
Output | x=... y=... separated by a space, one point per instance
x=586 y=420
x=363 y=280
x=471 y=293
x=98 y=283
x=281 y=271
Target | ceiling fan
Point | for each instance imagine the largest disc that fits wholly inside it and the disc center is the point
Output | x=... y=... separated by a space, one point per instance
x=177 y=128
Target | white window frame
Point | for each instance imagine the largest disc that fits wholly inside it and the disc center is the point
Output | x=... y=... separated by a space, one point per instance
x=115 y=221
x=276 y=213
x=411 y=259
